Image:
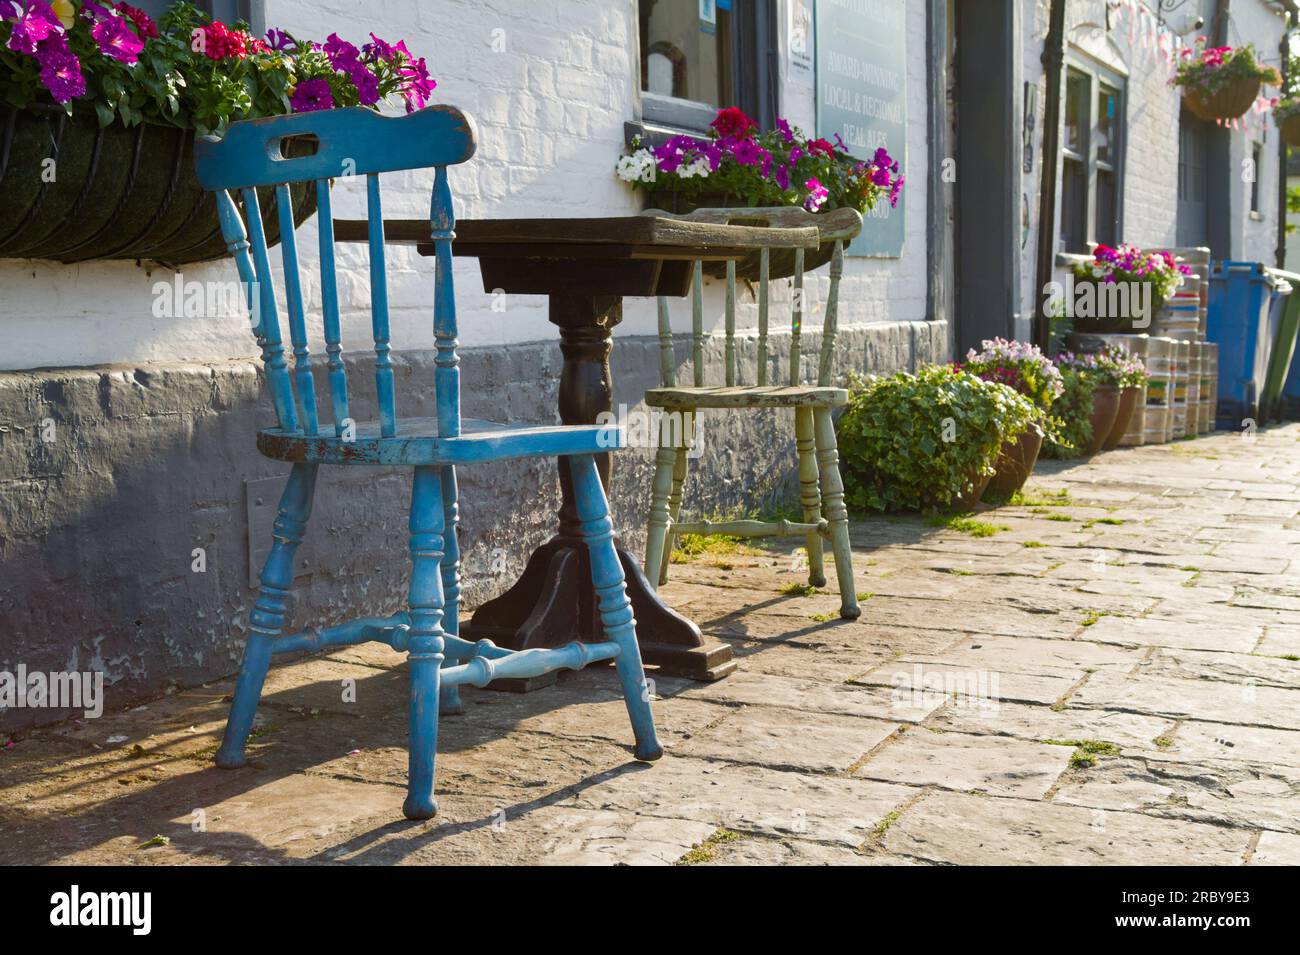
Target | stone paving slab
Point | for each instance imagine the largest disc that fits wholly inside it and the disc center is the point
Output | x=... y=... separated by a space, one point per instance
x=1111 y=677
x=997 y=765
x=961 y=829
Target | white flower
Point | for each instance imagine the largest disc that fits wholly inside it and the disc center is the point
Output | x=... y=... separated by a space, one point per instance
x=698 y=167
x=629 y=168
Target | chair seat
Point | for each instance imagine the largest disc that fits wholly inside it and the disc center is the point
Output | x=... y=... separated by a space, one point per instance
x=417 y=442
x=748 y=396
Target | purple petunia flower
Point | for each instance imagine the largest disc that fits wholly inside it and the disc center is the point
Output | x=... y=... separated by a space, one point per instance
x=747 y=152
x=817 y=194
x=786 y=133
x=38 y=23
x=61 y=75
x=117 y=40
x=379 y=49
x=312 y=95
x=280 y=40
x=418 y=85
x=367 y=84
x=341 y=53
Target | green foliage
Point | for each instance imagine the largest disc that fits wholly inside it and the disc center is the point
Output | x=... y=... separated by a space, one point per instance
x=1074 y=411
x=919 y=441
x=966 y=525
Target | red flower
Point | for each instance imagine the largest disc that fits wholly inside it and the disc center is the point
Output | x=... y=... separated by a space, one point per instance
x=219 y=41
x=145 y=28
x=821 y=146
x=733 y=122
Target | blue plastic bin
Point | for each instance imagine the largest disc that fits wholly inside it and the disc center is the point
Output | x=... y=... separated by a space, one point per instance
x=1243 y=296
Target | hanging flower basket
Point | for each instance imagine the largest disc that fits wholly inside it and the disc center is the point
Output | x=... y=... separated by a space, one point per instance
x=1231 y=100
x=1291 y=130
x=1286 y=114
x=111 y=192
x=1221 y=82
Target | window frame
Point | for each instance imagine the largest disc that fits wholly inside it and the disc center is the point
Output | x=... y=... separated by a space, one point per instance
x=1097 y=76
x=754 y=79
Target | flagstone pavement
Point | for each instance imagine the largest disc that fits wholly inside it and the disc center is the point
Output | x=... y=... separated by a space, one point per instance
x=1110 y=676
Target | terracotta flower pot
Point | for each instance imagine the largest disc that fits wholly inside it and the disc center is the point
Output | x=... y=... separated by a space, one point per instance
x=1016 y=461
x=1228 y=102
x=1127 y=404
x=780 y=261
x=1105 y=406
x=1291 y=130
x=967 y=500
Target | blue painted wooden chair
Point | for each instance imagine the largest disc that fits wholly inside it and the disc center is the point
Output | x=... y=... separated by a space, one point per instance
x=360 y=142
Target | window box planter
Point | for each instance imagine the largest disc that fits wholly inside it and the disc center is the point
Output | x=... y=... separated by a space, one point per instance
x=111 y=192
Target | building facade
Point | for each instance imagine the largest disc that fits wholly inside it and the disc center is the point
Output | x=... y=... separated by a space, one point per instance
x=133 y=503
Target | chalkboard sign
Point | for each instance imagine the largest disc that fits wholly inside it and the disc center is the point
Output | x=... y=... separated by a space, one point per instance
x=861 y=53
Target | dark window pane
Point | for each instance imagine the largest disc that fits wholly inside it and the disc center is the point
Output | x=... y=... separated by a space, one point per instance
x=1074 y=208
x=1105 y=207
x=1193 y=157
x=686 y=50
x=1107 y=124
x=1257 y=157
x=1076 y=112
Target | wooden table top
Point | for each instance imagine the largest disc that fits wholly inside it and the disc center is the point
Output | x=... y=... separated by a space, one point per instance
x=613 y=237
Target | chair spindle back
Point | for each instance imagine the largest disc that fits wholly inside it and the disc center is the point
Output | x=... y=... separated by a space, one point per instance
x=353 y=141
x=837 y=227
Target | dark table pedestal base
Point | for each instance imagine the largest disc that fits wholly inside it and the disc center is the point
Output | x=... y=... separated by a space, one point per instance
x=553 y=603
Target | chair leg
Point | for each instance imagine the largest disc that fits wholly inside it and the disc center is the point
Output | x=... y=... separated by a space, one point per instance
x=810 y=492
x=449 y=702
x=656 y=549
x=269 y=613
x=425 y=642
x=612 y=601
x=675 y=496
x=828 y=459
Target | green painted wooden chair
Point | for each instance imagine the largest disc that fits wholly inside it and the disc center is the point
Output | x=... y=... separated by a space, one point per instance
x=821 y=489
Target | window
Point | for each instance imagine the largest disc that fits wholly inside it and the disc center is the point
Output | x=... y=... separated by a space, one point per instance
x=252 y=12
x=1256 y=161
x=700 y=55
x=1092 y=152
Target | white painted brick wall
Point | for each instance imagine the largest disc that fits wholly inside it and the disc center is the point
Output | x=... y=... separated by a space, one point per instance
x=550 y=109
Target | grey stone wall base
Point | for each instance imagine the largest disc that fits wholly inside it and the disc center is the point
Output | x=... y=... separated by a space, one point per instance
x=112 y=479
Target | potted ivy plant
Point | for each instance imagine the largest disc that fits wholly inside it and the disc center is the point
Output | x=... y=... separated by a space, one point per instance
x=1024 y=368
x=1221 y=82
x=99 y=106
x=926 y=441
x=738 y=166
